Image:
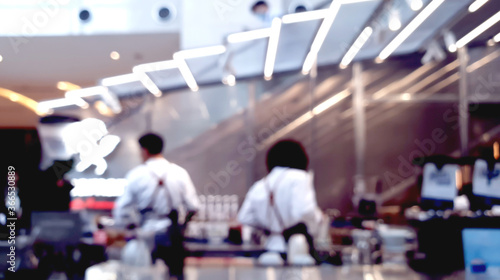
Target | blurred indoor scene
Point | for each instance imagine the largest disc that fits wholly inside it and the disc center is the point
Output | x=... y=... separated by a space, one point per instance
x=243 y=139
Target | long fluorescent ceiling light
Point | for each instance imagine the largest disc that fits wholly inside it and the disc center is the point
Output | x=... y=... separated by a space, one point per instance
x=409 y=29
x=272 y=48
x=186 y=73
x=322 y=107
x=155 y=66
x=249 y=35
x=181 y=56
x=23 y=100
x=119 y=80
x=316 y=14
x=145 y=80
x=201 y=52
x=325 y=105
x=75 y=96
x=321 y=35
x=45 y=106
x=497 y=38
x=476 y=5
x=356 y=46
x=305 y=16
x=478 y=30
x=140 y=71
x=149 y=84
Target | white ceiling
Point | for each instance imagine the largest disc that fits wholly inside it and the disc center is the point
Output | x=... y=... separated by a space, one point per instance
x=36 y=64
x=83 y=60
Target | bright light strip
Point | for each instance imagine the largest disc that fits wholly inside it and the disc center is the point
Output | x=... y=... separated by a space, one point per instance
x=119 y=80
x=497 y=38
x=409 y=29
x=353 y=1
x=496 y=150
x=416 y=4
x=394 y=21
x=112 y=101
x=320 y=36
x=155 y=66
x=249 y=35
x=272 y=48
x=229 y=80
x=476 y=5
x=86 y=92
x=140 y=71
x=181 y=56
x=316 y=14
x=23 y=100
x=186 y=73
x=65 y=86
x=149 y=84
x=98 y=187
x=323 y=106
x=330 y=102
x=75 y=96
x=200 y=52
x=305 y=16
x=356 y=46
x=45 y=106
x=478 y=30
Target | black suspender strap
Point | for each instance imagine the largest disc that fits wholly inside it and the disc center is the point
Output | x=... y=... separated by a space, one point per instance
x=161 y=184
x=272 y=200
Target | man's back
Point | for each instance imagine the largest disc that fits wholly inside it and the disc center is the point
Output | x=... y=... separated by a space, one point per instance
x=144 y=190
x=294 y=201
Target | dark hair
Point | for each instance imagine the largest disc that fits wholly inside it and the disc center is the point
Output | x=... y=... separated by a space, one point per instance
x=153 y=143
x=300 y=9
x=287 y=153
x=257 y=4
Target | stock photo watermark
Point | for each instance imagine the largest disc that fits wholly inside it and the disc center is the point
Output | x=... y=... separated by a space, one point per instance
x=39 y=20
x=247 y=149
x=483 y=90
x=11 y=217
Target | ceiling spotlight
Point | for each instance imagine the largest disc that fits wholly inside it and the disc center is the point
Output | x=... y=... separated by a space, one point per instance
x=229 y=80
x=415 y=4
x=103 y=109
x=67 y=86
x=497 y=38
x=406 y=96
x=450 y=40
x=378 y=60
x=1 y=58
x=114 y=55
x=394 y=21
x=490 y=43
x=476 y=5
x=410 y=28
x=478 y=30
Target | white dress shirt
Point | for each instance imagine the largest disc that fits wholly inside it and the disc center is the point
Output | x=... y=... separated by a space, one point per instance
x=440 y=184
x=140 y=192
x=294 y=198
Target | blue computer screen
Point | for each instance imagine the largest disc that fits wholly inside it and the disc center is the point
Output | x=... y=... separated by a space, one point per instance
x=481 y=243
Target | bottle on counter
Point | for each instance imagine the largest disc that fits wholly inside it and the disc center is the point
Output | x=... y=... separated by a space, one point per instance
x=100 y=235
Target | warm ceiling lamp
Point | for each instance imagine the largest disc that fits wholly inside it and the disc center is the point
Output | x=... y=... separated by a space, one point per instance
x=67 y=86
x=21 y=99
x=114 y=55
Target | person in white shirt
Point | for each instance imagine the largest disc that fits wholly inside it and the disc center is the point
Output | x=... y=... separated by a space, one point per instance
x=158 y=189
x=283 y=202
